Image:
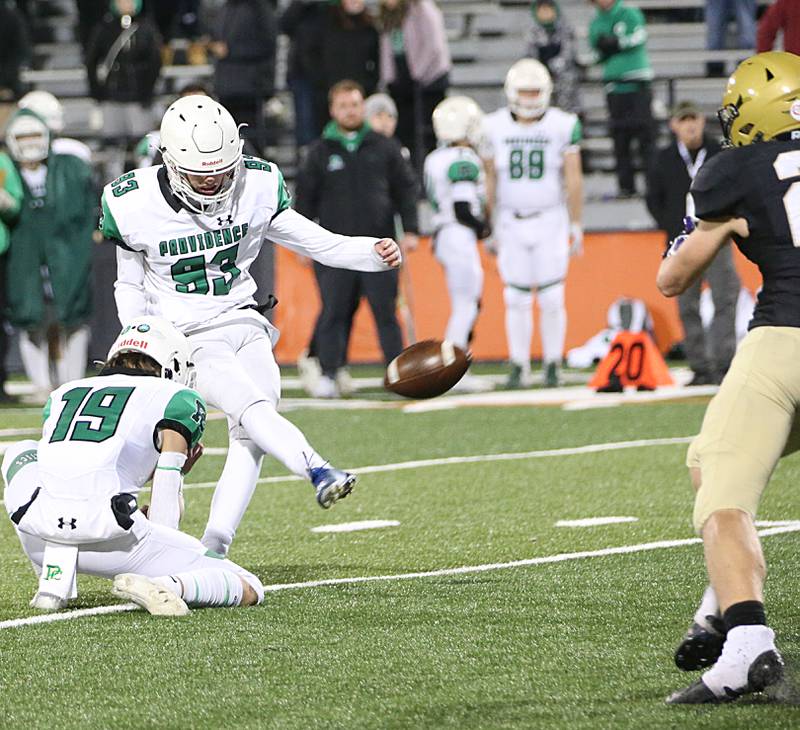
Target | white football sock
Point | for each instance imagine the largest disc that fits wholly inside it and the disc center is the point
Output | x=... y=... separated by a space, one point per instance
x=552 y=322
x=709 y=606
x=208 y=587
x=519 y=325
x=742 y=647
x=464 y=311
x=71 y=365
x=34 y=352
x=280 y=438
x=232 y=494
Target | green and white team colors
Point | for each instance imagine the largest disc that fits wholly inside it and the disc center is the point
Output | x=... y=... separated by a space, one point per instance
x=532 y=223
x=194 y=270
x=454 y=174
x=72 y=495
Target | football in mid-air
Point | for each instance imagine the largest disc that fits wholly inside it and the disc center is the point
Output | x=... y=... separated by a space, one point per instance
x=426 y=369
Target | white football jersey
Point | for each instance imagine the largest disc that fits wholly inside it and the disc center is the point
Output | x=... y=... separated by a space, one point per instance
x=100 y=434
x=454 y=174
x=196 y=266
x=529 y=158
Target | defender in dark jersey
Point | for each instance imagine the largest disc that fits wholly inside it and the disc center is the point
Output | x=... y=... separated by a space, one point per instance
x=751 y=193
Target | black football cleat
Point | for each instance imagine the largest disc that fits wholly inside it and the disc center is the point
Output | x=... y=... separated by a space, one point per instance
x=700 y=648
x=765 y=671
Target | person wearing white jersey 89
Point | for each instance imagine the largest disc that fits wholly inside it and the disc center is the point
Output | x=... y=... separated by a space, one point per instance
x=535 y=194
x=72 y=497
x=454 y=181
x=187 y=232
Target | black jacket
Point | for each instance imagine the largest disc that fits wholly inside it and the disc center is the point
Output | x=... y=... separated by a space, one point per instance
x=347 y=52
x=667 y=185
x=357 y=192
x=14 y=51
x=301 y=21
x=250 y=30
x=134 y=71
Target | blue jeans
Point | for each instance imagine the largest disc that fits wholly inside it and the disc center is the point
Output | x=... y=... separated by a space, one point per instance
x=305 y=115
x=718 y=12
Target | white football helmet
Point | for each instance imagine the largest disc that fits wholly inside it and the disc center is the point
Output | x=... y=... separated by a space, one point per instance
x=200 y=137
x=47 y=107
x=528 y=75
x=27 y=137
x=159 y=339
x=457 y=119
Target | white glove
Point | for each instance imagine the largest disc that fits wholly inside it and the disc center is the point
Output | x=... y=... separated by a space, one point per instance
x=7 y=201
x=575 y=239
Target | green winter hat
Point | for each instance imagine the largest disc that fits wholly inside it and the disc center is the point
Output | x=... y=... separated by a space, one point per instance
x=137 y=7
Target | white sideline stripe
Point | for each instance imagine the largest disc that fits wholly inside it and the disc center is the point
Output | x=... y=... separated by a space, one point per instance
x=466 y=569
x=513 y=456
x=355 y=526
x=595 y=521
x=20 y=432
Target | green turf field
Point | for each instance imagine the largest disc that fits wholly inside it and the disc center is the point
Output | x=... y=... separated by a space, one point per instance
x=584 y=641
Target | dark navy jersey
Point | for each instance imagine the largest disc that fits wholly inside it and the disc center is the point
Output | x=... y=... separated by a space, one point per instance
x=760 y=183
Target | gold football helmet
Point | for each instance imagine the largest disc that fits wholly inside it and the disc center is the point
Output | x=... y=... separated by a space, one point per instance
x=762 y=99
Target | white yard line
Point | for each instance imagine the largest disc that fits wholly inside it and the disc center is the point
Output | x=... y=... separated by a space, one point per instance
x=463 y=570
x=595 y=521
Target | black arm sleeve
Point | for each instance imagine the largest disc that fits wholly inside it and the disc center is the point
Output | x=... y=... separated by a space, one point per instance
x=465 y=217
x=403 y=187
x=308 y=182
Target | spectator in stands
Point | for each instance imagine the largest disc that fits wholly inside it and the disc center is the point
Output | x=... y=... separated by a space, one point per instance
x=90 y=13
x=381 y=113
x=244 y=44
x=784 y=16
x=48 y=267
x=619 y=39
x=551 y=40
x=415 y=67
x=123 y=62
x=301 y=21
x=352 y=181
x=347 y=48
x=718 y=13
x=14 y=53
x=10 y=206
x=670 y=176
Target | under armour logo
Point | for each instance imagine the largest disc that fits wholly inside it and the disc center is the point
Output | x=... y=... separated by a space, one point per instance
x=62 y=523
x=222 y=221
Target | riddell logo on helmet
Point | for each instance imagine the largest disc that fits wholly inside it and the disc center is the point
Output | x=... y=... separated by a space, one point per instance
x=213 y=162
x=133 y=343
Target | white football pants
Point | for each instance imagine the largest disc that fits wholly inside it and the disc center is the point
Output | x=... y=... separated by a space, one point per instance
x=47 y=370
x=456 y=249
x=237 y=373
x=147 y=549
x=533 y=258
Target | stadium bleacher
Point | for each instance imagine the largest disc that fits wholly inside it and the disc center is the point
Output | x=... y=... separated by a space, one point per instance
x=485 y=38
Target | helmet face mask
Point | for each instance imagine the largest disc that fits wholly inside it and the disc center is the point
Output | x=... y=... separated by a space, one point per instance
x=528 y=75
x=162 y=342
x=200 y=138
x=28 y=138
x=762 y=100
x=458 y=119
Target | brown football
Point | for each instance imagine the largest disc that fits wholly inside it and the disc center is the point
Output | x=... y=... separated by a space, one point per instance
x=426 y=369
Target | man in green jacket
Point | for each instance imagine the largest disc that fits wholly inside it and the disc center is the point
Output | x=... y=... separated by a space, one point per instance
x=618 y=37
x=49 y=260
x=10 y=204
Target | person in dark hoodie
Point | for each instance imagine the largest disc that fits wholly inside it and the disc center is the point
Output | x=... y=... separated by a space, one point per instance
x=244 y=44
x=551 y=41
x=123 y=61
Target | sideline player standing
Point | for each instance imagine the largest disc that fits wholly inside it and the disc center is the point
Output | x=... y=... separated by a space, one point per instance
x=751 y=192
x=188 y=231
x=454 y=181
x=72 y=496
x=535 y=193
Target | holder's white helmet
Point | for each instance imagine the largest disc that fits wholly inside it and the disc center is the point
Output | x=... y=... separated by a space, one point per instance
x=456 y=119
x=27 y=137
x=528 y=75
x=159 y=339
x=200 y=137
x=47 y=107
